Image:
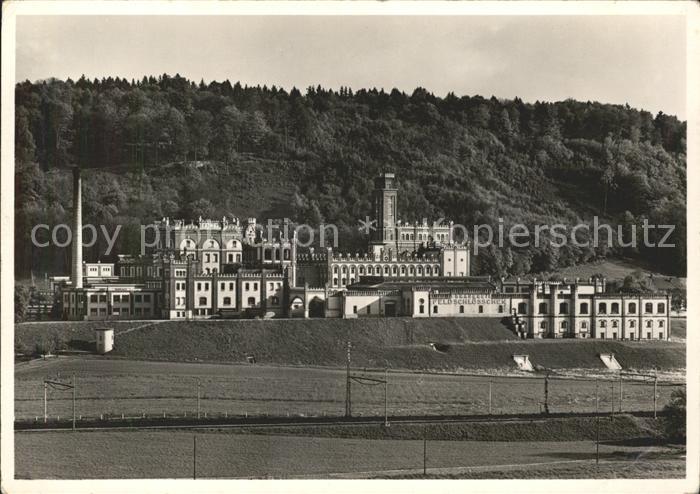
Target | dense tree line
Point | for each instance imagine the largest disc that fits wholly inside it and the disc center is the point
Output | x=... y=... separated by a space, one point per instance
x=168 y=146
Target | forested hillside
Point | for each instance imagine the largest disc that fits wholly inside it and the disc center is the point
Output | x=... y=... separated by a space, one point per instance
x=167 y=146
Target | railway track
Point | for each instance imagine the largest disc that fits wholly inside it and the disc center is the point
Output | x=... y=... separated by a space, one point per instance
x=159 y=423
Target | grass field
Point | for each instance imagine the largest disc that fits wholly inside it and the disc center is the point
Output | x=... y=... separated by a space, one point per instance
x=142 y=454
x=110 y=386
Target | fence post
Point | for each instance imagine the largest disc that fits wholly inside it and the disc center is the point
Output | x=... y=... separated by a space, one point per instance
x=199 y=383
x=546 y=393
x=490 y=383
x=386 y=397
x=620 y=409
x=655 y=380
x=45 y=406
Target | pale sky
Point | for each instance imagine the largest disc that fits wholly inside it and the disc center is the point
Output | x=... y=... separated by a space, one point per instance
x=639 y=60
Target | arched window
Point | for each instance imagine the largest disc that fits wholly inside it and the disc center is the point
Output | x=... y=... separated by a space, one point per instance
x=227 y=300
x=251 y=300
x=522 y=308
x=386 y=269
x=202 y=300
x=615 y=308
x=542 y=308
x=393 y=270
x=649 y=308
x=564 y=325
x=461 y=309
x=584 y=308
x=563 y=308
x=632 y=307
x=602 y=308
x=660 y=308
x=603 y=324
x=614 y=324
x=428 y=270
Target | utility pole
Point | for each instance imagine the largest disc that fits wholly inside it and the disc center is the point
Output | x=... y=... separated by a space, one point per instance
x=612 y=399
x=596 y=396
x=194 y=457
x=597 y=439
x=74 y=385
x=386 y=399
x=348 y=410
x=425 y=452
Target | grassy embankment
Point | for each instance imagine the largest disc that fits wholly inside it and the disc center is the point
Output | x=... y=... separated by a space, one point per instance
x=474 y=343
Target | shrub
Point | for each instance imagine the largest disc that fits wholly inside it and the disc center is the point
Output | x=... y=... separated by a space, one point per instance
x=675 y=416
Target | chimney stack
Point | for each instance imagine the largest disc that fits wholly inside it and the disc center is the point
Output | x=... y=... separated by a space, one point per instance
x=77 y=258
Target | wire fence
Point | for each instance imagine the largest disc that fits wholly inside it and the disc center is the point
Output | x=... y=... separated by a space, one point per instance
x=324 y=394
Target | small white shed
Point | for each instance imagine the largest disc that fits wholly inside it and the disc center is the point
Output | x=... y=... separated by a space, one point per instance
x=104 y=338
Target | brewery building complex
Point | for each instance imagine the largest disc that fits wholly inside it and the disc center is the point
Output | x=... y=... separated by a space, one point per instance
x=229 y=268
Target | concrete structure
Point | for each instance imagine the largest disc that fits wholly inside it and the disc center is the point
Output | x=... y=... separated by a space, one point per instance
x=104 y=339
x=233 y=268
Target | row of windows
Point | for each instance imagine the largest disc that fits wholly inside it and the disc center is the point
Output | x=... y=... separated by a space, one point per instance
x=228 y=301
x=631 y=336
x=94 y=298
x=370 y=270
x=268 y=254
x=123 y=311
x=603 y=324
x=543 y=308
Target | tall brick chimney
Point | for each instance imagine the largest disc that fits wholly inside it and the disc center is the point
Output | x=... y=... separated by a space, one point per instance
x=77 y=245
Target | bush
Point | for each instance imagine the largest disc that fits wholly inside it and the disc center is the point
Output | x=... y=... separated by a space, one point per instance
x=22 y=297
x=675 y=416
